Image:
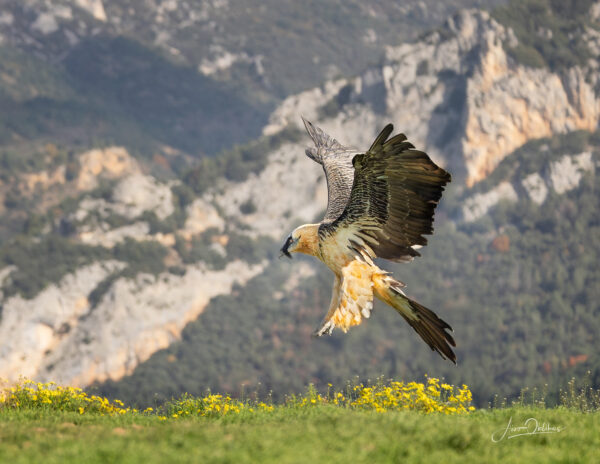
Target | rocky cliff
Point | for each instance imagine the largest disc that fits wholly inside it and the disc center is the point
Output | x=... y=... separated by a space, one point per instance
x=457 y=93
x=60 y=336
x=556 y=177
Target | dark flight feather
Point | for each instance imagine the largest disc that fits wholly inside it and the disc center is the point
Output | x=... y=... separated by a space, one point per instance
x=393 y=197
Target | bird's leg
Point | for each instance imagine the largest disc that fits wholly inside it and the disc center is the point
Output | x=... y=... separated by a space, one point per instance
x=353 y=299
x=327 y=324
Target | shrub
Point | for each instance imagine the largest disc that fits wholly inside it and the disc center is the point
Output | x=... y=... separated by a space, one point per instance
x=30 y=395
x=248 y=207
x=550 y=32
x=237 y=163
x=44 y=262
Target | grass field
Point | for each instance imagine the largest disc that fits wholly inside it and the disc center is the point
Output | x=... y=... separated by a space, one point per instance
x=320 y=434
x=382 y=422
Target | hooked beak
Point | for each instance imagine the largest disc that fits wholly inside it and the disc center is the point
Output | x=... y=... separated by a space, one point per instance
x=286 y=245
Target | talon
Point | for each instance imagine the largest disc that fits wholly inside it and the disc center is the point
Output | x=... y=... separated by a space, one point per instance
x=326 y=328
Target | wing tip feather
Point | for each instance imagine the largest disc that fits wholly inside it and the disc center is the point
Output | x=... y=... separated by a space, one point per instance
x=382 y=137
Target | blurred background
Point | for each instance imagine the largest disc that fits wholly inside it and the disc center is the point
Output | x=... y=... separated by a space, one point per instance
x=152 y=163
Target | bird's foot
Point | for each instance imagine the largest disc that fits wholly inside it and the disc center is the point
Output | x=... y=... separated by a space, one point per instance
x=326 y=328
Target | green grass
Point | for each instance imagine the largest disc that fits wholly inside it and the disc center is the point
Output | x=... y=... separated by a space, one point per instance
x=319 y=434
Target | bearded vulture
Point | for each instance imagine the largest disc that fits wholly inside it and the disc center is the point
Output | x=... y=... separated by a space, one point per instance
x=380 y=204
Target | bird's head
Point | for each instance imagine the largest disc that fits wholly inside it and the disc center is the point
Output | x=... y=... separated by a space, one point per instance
x=303 y=239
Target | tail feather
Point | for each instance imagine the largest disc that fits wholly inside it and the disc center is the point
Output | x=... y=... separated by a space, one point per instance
x=431 y=329
x=425 y=322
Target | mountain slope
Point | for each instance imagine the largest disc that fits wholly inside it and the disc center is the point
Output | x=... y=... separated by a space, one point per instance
x=232 y=40
x=91 y=235
x=500 y=281
x=460 y=94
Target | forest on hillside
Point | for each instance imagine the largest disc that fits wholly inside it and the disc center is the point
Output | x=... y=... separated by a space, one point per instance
x=519 y=285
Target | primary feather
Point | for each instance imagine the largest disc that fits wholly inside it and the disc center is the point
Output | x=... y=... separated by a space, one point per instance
x=337 y=165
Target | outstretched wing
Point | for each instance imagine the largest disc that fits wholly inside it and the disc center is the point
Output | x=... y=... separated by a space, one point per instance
x=337 y=164
x=394 y=194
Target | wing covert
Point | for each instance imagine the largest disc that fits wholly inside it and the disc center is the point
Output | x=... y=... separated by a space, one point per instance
x=393 y=198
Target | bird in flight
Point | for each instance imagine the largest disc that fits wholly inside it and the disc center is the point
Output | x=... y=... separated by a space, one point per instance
x=380 y=204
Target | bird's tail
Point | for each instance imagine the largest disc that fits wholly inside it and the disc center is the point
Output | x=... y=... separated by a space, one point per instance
x=426 y=323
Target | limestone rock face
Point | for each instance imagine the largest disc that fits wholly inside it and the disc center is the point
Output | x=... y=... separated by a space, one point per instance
x=43 y=179
x=460 y=98
x=110 y=163
x=109 y=238
x=201 y=215
x=559 y=176
x=96 y=164
x=296 y=192
x=521 y=105
x=58 y=336
x=536 y=187
x=566 y=173
x=138 y=193
x=31 y=328
x=480 y=204
x=132 y=196
x=94 y=7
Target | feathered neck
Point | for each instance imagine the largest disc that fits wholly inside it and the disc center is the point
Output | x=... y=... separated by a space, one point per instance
x=308 y=242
